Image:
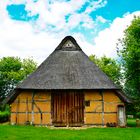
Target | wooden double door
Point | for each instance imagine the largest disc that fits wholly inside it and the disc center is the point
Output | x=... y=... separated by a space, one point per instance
x=67 y=108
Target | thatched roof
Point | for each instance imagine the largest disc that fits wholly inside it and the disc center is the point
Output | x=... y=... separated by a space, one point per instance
x=68 y=67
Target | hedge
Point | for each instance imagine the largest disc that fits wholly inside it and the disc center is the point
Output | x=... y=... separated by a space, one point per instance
x=4 y=113
x=4 y=116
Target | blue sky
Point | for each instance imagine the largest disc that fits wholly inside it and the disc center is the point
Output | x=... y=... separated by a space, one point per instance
x=39 y=25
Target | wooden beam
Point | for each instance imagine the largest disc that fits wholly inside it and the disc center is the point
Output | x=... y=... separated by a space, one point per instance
x=101 y=112
x=33 y=94
x=31 y=112
x=39 y=100
x=39 y=112
x=102 y=95
x=27 y=110
x=17 y=110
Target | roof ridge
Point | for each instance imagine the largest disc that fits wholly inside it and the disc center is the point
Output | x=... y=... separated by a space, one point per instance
x=68 y=44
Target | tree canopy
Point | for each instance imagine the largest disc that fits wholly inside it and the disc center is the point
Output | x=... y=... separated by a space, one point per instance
x=130 y=58
x=13 y=70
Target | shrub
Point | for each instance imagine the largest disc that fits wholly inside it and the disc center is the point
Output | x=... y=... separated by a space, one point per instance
x=4 y=116
x=4 y=113
x=138 y=115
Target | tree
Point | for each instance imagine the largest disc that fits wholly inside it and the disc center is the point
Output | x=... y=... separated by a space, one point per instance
x=130 y=58
x=13 y=70
x=108 y=66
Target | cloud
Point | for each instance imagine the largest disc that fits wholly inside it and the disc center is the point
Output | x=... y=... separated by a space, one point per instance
x=21 y=39
x=105 y=42
x=36 y=39
x=94 y=5
x=54 y=13
x=101 y=19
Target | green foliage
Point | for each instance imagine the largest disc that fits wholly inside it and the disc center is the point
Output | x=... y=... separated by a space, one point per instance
x=108 y=66
x=138 y=115
x=4 y=113
x=13 y=70
x=130 y=58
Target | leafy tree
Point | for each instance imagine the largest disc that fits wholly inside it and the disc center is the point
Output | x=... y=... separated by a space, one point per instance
x=13 y=70
x=108 y=66
x=130 y=58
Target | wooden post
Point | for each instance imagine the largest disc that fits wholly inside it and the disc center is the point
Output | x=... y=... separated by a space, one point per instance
x=17 y=110
x=33 y=94
x=27 y=117
x=102 y=94
x=41 y=116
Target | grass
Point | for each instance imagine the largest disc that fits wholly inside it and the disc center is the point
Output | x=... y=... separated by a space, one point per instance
x=131 y=122
x=8 y=132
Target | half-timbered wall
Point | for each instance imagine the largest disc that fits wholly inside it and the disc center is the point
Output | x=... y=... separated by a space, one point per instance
x=31 y=108
x=102 y=107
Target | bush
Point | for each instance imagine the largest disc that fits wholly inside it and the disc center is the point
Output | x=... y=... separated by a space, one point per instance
x=131 y=110
x=4 y=116
x=138 y=115
x=4 y=113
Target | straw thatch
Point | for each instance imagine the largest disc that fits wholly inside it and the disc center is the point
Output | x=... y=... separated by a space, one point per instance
x=68 y=67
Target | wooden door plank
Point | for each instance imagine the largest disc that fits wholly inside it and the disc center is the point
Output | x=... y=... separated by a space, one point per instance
x=67 y=108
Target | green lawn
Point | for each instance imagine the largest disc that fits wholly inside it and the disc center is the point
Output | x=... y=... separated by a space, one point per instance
x=8 y=132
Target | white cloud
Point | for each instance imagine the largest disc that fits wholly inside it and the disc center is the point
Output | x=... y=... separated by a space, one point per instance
x=94 y=5
x=18 y=38
x=21 y=39
x=105 y=42
x=101 y=19
x=54 y=13
x=24 y=40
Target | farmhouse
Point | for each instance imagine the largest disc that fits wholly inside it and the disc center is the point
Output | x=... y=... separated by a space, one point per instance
x=67 y=89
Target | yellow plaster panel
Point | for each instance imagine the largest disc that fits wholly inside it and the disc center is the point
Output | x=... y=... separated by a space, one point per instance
x=92 y=118
x=43 y=95
x=44 y=106
x=21 y=118
x=110 y=106
x=13 y=118
x=110 y=118
x=95 y=106
x=37 y=118
x=110 y=96
x=13 y=107
x=94 y=95
x=25 y=95
x=46 y=118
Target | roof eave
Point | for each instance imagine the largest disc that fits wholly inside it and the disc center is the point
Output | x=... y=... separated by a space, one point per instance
x=123 y=96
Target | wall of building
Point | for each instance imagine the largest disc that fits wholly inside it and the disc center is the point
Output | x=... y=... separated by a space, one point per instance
x=103 y=108
x=33 y=108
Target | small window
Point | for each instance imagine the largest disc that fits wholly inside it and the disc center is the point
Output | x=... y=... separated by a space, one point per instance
x=87 y=103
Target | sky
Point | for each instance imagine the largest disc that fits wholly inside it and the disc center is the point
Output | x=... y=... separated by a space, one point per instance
x=34 y=28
